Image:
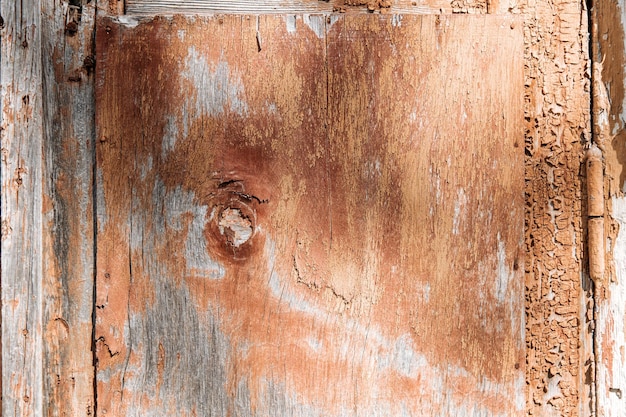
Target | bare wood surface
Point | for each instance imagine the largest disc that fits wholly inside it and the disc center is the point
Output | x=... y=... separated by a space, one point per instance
x=68 y=58
x=301 y=216
x=22 y=223
x=169 y=7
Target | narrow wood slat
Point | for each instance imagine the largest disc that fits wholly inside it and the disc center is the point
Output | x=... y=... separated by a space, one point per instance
x=169 y=7
x=22 y=223
x=68 y=237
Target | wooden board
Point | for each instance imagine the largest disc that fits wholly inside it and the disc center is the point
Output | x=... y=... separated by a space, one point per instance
x=22 y=224
x=68 y=56
x=47 y=133
x=310 y=216
x=169 y=7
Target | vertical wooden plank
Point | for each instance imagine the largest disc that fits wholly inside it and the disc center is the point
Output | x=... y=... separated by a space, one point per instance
x=559 y=304
x=68 y=237
x=610 y=134
x=262 y=214
x=22 y=135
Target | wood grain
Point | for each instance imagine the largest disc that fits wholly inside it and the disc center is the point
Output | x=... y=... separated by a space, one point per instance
x=68 y=58
x=169 y=7
x=22 y=223
x=47 y=235
x=302 y=216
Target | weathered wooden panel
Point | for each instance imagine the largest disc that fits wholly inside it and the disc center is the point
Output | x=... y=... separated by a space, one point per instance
x=68 y=239
x=609 y=111
x=22 y=140
x=151 y=7
x=169 y=7
x=302 y=216
x=47 y=132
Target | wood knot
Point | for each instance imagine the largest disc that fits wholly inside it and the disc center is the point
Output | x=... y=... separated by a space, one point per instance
x=235 y=226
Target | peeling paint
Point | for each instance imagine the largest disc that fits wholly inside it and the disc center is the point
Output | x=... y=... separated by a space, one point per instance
x=217 y=88
x=317 y=23
x=504 y=275
x=170 y=136
x=291 y=21
x=127 y=21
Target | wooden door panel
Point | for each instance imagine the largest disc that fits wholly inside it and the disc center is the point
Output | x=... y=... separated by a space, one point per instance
x=310 y=215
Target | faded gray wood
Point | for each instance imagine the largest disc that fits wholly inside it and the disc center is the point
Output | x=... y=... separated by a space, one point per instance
x=22 y=222
x=68 y=234
x=47 y=227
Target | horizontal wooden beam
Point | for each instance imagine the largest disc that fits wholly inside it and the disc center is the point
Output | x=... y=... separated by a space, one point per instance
x=153 y=7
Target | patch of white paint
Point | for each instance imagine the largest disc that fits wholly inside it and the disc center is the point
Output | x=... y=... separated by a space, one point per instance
x=317 y=23
x=426 y=292
x=314 y=344
x=128 y=21
x=217 y=89
x=172 y=210
x=332 y=19
x=503 y=274
x=459 y=210
x=372 y=169
x=170 y=136
x=405 y=360
x=396 y=20
x=145 y=168
x=611 y=325
x=290 y=21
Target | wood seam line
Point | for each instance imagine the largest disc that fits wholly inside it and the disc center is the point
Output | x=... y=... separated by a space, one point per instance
x=600 y=107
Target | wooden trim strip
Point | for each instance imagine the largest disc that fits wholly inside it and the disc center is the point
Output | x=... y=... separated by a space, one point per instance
x=170 y=7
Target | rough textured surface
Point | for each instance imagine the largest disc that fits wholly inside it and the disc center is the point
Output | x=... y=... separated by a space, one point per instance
x=68 y=238
x=558 y=297
x=22 y=223
x=47 y=235
x=383 y=272
x=151 y=7
x=611 y=308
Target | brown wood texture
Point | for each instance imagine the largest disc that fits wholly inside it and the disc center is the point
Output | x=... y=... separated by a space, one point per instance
x=309 y=215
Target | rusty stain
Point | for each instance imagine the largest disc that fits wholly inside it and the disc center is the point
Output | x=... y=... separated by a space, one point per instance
x=6 y=229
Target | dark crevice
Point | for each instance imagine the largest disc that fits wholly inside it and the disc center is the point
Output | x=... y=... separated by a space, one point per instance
x=94 y=215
